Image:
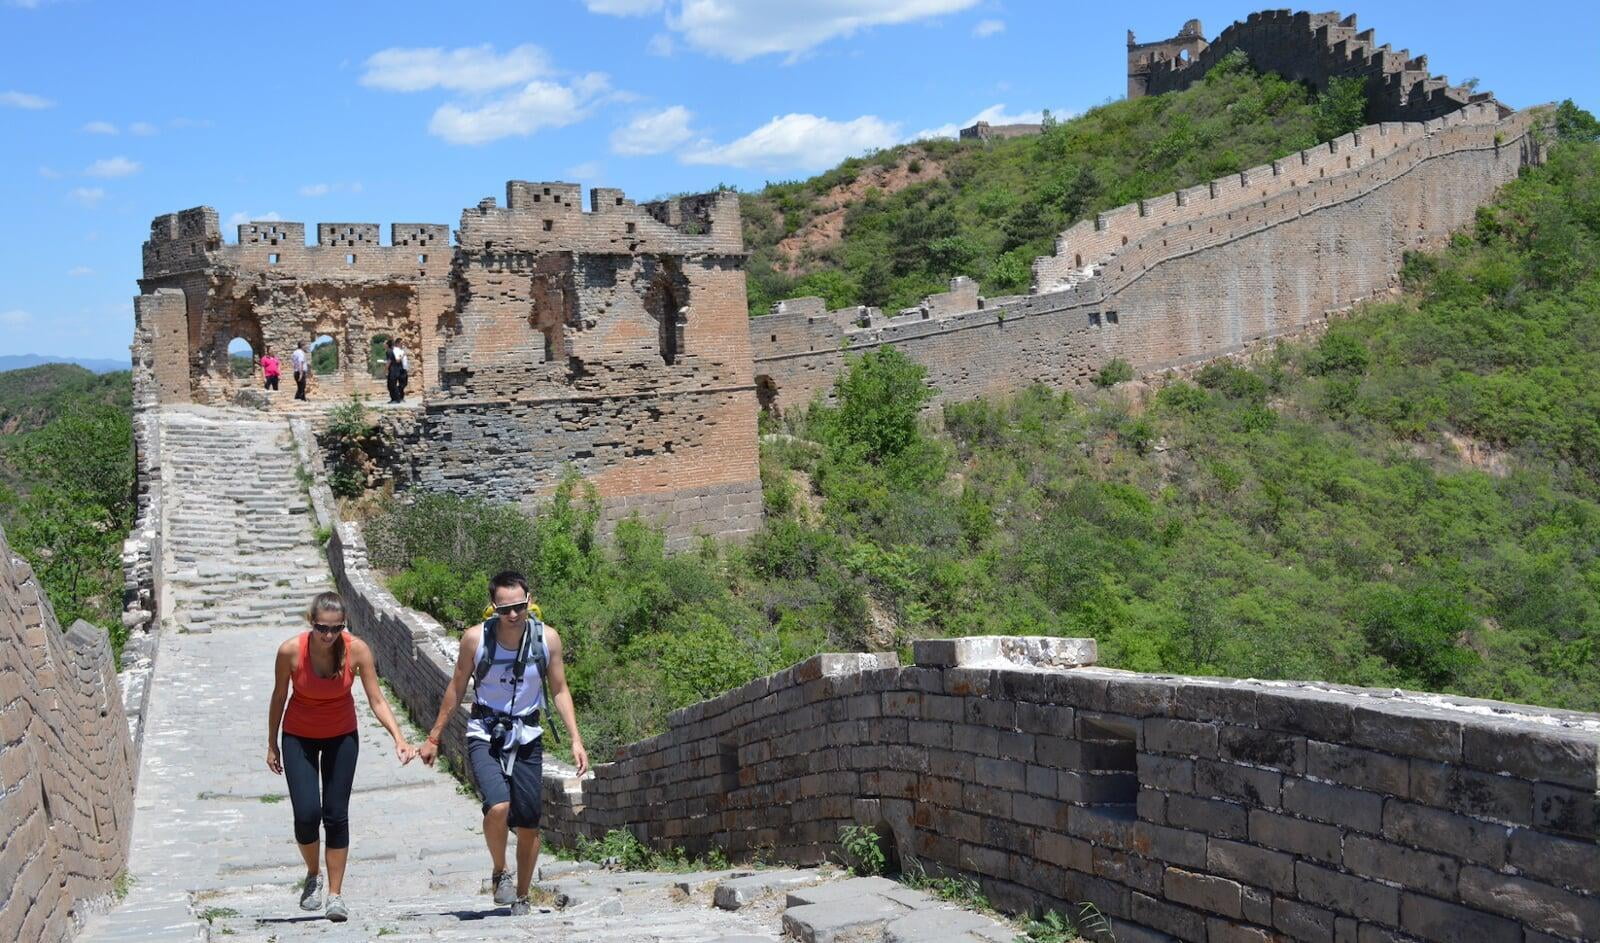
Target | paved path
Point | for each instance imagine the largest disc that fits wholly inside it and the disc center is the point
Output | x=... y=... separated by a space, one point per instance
x=212 y=829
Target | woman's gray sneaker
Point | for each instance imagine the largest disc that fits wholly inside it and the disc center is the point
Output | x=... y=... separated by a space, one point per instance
x=505 y=887
x=521 y=908
x=336 y=909
x=311 y=893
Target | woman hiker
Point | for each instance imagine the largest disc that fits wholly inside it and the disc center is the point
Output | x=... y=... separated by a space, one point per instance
x=510 y=659
x=320 y=743
x=269 y=370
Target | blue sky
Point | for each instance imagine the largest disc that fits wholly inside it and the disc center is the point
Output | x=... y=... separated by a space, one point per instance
x=113 y=113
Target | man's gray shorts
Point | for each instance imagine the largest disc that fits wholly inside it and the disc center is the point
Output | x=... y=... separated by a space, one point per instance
x=522 y=788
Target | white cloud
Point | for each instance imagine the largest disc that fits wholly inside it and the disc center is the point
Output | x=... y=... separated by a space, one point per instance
x=994 y=114
x=316 y=189
x=80 y=271
x=537 y=105
x=468 y=69
x=744 y=29
x=16 y=317
x=798 y=142
x=654 y=133
x=15 y=99
x=112 y=167
x=623 y=7
x=661 y=44
x=239 y=219
x=87 y=196
x=99 y=127
x=589 y=170
x=143 y=129
x=987 y=28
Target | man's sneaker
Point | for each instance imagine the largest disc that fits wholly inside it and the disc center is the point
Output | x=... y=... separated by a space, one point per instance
x=336 y=909
x=311 y=893
x=521 y=908
x=505 y=887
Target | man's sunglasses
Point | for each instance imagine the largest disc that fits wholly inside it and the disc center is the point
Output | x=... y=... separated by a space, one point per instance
x=328 y=629
x=512 y=609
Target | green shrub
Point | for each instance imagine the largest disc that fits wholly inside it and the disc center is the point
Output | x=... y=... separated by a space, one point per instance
x=1115 y=371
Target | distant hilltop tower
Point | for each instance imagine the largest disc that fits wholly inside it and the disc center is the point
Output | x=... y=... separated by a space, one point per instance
x=1142 y=57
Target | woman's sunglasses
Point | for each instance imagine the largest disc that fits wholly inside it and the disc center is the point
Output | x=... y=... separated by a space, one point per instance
x=328 y=629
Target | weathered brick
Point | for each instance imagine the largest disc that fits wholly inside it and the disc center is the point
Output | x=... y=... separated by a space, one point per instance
x=1425 y=871
x=1212 y=816
x=1437 y=830
x=1159 y=772
x=1251 y=864
x=1564 y=757
x=1172 y=845
x=1361 y=769
x=1562 y=861
x=1204 y=891
x=1165 y=735
x=1314 y=714
x=1284 y=751
x=1064 y=850
x=1181 y=922
x=1302 y=922
x=1409 y=730
x=1441 y=922
x=1483 y=795
x=1286 y=833
x=1538 y=905
x=1337 y=805
x=1569 y=811
x=1347 y=894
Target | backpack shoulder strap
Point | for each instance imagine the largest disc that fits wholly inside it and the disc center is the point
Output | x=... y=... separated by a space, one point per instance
x=486 y=647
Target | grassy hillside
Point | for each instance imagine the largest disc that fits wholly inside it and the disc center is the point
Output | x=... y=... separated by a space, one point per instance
x=988 y=209
x=66 y=480
x=1412 y=500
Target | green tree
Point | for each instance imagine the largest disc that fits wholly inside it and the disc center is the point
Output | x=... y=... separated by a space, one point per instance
x=1341 y=108
x=880 y=396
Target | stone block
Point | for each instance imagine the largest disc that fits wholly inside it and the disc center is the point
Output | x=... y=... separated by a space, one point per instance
x=1409 y=730
x=1254 y=787
x=1212 y=816
x=1189 y=738
x=1439 y=922
x=1425 y=871
x=1360 y=769
x=1285 y=833
x=1347 y=894
x=992 y=651
x=1224 y=931
x=1469 y=792
x=1561 y=861
x=1302 y=921
x=1438 y=830
x=1568 y=811
x=1318 y=715
x=1564 y=757
x=1248 y=745
x=1336 y=805
x=1166 y=773
x=1206 y=892
x=1179 y=922
x=840 y=921
x=1538 y=905
x=1251 y=864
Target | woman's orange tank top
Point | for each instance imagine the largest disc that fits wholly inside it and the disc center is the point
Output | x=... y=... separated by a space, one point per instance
x=320 y=707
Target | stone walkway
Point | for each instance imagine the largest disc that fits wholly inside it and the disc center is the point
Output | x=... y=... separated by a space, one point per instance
x=213 y=851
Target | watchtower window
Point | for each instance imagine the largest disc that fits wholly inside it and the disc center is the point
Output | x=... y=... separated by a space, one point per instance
x=272 y=258
x=619 y=201
x=633 y=227
x=350 y=258
x=422 y=259
x=1094 y=319
x=1111 y=317
x=549 y=224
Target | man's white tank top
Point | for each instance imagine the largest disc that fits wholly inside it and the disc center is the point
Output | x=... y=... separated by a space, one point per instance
x=495 y=691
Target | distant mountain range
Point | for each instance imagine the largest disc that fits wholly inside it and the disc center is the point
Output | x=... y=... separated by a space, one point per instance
x=19 y=361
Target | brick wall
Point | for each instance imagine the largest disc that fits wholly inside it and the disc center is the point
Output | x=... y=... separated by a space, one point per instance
x=1193 y=275
x=66 y=765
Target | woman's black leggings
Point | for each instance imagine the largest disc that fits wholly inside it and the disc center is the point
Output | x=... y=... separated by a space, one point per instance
x=331 y=765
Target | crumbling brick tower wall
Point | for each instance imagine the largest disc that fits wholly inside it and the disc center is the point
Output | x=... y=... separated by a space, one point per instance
x=66 y=765
x=274 y=291
x=1184 y=277
x=1306 y=47
x=612 y=342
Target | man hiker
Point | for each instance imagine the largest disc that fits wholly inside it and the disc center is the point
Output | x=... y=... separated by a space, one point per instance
x=399 y=373
x=510 y=658
x=302 y=369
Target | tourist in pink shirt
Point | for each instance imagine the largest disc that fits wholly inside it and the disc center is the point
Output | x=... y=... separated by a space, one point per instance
x=269 y=369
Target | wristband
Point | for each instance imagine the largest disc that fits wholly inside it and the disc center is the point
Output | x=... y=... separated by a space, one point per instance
x=433 y=740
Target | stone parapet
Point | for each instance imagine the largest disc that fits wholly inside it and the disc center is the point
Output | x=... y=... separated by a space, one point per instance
x=66 y=765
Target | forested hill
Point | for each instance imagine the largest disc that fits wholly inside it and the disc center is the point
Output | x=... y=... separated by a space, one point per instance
x=31 y=397
x=892 y=227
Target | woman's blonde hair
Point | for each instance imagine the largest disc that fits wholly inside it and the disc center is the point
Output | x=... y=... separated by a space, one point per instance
x=329 y=602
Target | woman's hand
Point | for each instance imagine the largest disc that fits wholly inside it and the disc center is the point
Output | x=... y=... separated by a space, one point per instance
x=403 y=751
x=428 y=752
x=580 y=757
x=274 y=763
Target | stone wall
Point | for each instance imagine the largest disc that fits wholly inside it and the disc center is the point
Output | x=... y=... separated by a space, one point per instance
x=1308 y=47
x=1188 y=276
x=66 y=765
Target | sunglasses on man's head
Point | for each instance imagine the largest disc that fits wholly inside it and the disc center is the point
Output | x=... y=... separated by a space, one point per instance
x=512 y=608
x=328 y=629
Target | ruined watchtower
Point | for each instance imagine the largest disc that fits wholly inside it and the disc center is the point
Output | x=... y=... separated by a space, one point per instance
x=612 y=342
x=1144 y=57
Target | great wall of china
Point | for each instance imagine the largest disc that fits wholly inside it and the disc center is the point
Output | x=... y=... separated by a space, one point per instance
x=616 y=341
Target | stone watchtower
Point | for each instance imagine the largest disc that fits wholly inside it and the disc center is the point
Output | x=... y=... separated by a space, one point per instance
x=1184 y=47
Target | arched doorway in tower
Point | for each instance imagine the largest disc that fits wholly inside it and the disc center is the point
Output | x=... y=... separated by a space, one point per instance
x=241 y=359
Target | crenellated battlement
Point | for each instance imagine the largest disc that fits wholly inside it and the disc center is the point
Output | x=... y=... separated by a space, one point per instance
x=549 y=217
x=1307 y=47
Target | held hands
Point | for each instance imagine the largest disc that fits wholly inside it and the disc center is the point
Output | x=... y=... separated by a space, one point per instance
x=274 y=762
x=428 y=752
x=403 y=751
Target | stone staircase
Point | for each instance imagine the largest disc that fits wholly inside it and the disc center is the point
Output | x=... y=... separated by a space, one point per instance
x=238 y=528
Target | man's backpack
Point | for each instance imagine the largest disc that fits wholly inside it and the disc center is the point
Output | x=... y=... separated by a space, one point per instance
x=532 y=648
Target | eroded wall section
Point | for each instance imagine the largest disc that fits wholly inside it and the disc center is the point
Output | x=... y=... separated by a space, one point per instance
x=66 y=770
